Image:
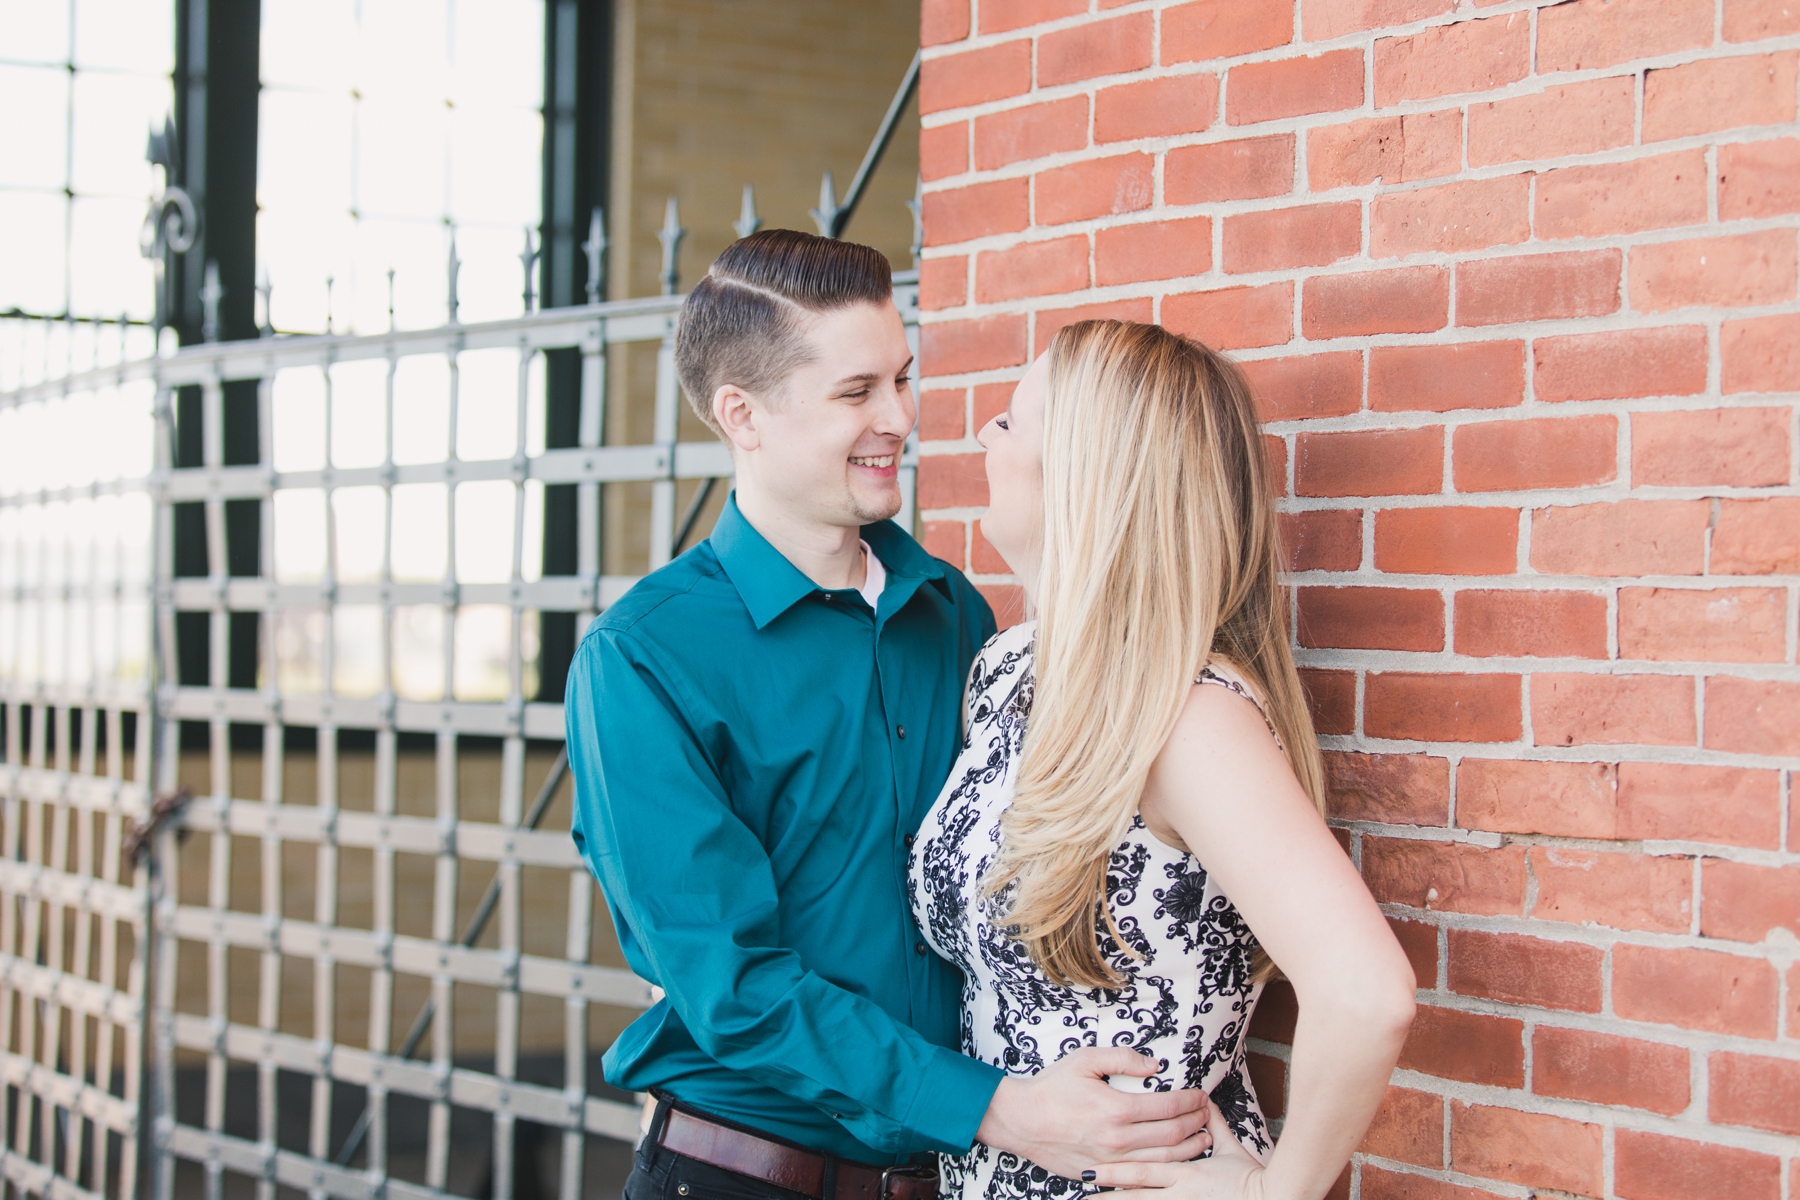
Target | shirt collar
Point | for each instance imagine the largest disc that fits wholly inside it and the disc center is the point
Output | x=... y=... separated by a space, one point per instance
x=770 y=585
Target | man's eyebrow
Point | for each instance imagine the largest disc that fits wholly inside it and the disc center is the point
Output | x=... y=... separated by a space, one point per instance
x=870 y=376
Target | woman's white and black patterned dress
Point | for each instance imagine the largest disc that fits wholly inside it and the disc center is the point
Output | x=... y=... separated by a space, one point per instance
x=1188 y=994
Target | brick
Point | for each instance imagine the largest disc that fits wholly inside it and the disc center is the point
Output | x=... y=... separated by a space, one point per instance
x=1234 y=318
x=1759 y=179
x=943 y=151
x=1757 y=537
x=1761 y=354
x=1214 y=29
x=1294 y=87
x=1007 y=600
x=1443 y=378
x=1472 y=1047
x=1468 y=56
x=1538 y=287
x=953 y=481
x=1525 y=970
x=1577 y=118
x=1753 y=20
x=1156 y=107
x=1752 y=716
x=1371 y=618
x=1268 y=1079
x=1648 y=1166
x=1442 y=708
x=975 y=76
x=1391 y=149
x=1735 y=806
x=1608 y=710
x=1152 y=250
x=947 y=540
x=1378 y=1184
x=1445 y=876
x=1531 y=624
x=1245 y=169
x=1447 y=541
x=1611 y=198
x=1331 y=699
x=1702 y=990
x=1094 y=48
x=989 y=399
x=1323 y=20
x=1563 y=799
x=978 y=344
x=1546 y=452
x=1746 y=1089
x=1407 y=300
x=1602 y=1068
x=1369 y=462
x=1408 y=1127
x=1719 y=93
x=943 y=21
x=1453 y=218
x=1620 y=891
x=1715 y=625
x=944 y=282
x=1307 y=385
x=942 y=414
x=1096 y=188
x=1418 y=941
x=1032 y=269
x=977 y=210
x=1275 y=447
x=1035 y=131
x=1631 y=537
x=1599 y=33
x=1743 y=902
x=1312 y=235
x=1532 y=1149
x=1322 y=539
x=1050 y=321
x=1000 y=16
x=1727 y=272
x=1621 y=364
x=1400 y=789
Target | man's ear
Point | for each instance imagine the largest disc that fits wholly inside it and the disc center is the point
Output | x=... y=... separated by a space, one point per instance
x=737 y=416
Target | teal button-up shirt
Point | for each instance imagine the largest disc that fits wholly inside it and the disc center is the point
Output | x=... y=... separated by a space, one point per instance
x=751 y=755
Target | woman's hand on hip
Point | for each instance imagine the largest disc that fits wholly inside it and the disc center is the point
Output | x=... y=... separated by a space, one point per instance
x=1231 y=1173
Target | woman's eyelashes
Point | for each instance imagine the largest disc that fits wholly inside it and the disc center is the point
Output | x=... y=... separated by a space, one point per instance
x=1001 y=422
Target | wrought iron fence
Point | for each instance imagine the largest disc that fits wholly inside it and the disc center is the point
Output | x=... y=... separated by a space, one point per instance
x=365 y=944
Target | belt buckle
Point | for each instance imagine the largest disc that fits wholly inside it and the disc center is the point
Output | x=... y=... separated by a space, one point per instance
x=924 y=1180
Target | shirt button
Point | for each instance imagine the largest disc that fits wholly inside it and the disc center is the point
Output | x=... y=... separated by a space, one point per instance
x=908 y=839
x=918 y=947
x=900 y=729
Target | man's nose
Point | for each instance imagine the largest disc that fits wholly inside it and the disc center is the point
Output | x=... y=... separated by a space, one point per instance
x=897 y=412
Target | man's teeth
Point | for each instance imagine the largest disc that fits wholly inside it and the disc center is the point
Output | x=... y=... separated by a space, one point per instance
x=887 y=461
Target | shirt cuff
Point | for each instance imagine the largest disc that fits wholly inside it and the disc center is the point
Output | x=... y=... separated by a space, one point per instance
x=951 y=1100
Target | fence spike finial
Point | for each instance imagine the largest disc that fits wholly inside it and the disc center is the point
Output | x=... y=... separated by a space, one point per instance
x=595 y=249
x=670 y=236
x=210 y=295
x=528 y=259
x=748 y=222
x=266 y=290
x=453 y=268
x=916 y=206
x=390 y=278
x=826 y=215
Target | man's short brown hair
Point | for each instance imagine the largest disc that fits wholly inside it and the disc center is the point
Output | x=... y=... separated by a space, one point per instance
x=744 y=323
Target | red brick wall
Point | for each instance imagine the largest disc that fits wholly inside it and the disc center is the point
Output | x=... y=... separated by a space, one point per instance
x=1516 y=285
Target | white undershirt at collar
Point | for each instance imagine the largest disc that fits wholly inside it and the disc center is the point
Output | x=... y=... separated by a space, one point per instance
x=874 y=577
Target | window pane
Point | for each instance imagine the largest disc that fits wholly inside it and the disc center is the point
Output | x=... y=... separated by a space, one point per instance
x=498 y=53
x=484 y=531
x=356 y=668
x=421 y=549
x=36 y=30
x=36 y=148
x=298 y=404
x=113 y=117
x=359 y=413
x=303 y=43
x=32 y=236
x=303 y=150
x=403 y=49
x=400 y=158
x=108 y=275
x=128 y=35
x=419 y=652
x=487 y=404
x=360 y=515
x=497 y=161
x=299 y=535
x=421 y=409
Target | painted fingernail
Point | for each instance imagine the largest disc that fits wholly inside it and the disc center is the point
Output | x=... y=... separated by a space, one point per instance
x=1089 y=1176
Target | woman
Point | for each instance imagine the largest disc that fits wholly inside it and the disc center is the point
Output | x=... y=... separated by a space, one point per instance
x=1131 y=842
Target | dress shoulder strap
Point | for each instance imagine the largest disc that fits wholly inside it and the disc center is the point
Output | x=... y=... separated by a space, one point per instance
x=1222 y=674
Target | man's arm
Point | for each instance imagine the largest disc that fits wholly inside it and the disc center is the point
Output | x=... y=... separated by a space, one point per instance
x=695 y=886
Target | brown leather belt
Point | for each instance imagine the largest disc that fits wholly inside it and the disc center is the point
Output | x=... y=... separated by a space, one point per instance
x=789 y=1167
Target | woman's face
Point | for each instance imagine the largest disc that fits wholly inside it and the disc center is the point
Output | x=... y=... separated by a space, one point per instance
x=1014 y=441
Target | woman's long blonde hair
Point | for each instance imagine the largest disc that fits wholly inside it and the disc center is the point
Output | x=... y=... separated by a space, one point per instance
x=1160 y=554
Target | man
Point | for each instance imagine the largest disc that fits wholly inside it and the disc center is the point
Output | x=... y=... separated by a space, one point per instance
x=756 y=730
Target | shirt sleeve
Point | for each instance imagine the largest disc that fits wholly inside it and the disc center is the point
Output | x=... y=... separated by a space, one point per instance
x=695 y=887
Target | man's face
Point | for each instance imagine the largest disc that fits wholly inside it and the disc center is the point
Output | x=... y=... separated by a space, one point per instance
x=828 y=447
